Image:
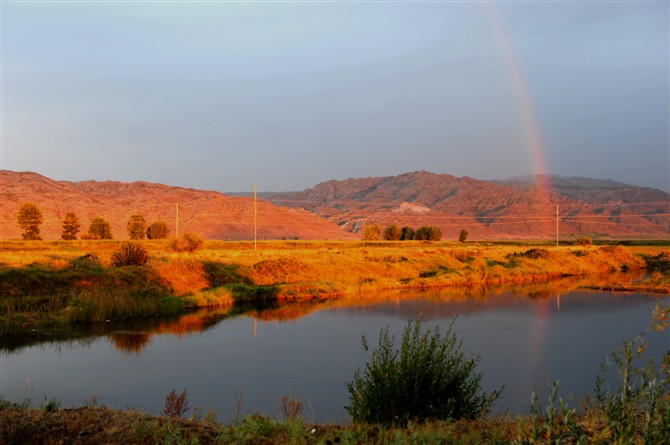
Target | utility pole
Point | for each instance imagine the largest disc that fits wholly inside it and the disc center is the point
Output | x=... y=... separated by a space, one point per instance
x=255 y=217
x=176 y=221
x=556 y=225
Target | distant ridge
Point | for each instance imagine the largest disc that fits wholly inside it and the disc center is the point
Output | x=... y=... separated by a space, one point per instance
x=515 y=208
x=215 y=215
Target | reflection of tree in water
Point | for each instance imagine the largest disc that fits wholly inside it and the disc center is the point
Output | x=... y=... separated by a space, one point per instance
x=130 y=342
x=133 y=342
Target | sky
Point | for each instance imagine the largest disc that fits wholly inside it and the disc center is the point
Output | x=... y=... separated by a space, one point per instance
x=225 y=95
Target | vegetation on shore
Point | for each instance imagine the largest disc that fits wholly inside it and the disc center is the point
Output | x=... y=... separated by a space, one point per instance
x=52 y=286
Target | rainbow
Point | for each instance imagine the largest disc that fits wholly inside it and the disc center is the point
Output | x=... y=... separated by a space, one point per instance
x=529 y=122
x=528 y=116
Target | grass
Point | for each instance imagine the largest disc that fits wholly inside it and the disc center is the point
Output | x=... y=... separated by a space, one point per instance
x=52 y=286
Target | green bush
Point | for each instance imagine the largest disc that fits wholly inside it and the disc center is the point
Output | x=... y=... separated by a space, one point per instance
x=188 y=242
x=463 y=235
x=130 y=254
x=429 y=378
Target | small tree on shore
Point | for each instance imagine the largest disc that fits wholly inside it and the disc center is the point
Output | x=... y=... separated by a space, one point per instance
x=136 y=227
x=71 y=226
x=392 y=233
x=158 y=230
x=372 y=232
x=29 y=219
x=463 y=236
x=100 y=229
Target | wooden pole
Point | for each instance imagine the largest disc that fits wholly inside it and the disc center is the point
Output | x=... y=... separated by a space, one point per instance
x=556 y=225
x=176 y=221
x=255 y=218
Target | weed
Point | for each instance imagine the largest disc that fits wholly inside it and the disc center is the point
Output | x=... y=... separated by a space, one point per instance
x=643 y=392
x=290 y=408
x=51 y=405
x=6 y=404
x=176 y=405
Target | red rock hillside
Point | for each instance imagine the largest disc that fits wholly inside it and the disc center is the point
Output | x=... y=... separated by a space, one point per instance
x=488 y=210
x=213 y=214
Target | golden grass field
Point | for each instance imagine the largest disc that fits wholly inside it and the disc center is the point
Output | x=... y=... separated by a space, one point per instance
x=54 y=284
x=340 y=267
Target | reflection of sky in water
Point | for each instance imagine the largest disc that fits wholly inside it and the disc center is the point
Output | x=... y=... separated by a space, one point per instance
x=524 y=343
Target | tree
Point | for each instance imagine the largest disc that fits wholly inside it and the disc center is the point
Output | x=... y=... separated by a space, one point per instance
x=406 y=233
x=371 y=233
x=463 y=236
x=392 y=233
x=428 y=233
x=158 y=230
x=136 y=226
x=100 y=229
x=71 y=226
x=29 y=219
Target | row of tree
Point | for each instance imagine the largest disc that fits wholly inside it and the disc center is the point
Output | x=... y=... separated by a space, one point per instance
x=397 y=233
x=30 y=219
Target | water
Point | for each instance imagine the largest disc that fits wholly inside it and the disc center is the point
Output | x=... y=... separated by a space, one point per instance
x=526 y=338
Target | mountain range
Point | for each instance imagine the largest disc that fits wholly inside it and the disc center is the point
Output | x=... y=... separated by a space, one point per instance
x=339 y=209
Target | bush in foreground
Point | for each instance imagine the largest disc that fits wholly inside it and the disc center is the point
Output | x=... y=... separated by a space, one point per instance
x=429 y=378
x=130 y=254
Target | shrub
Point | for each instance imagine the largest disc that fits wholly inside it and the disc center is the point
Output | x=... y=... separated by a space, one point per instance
x=130 y=254
x=463 y=236
x=429 y=378
x=585 y=241
x=29 y=219
x=158 y=230
x=371 y=233
x=188 y=242
x=392 y=233
x=70 y=226
x=99 y=229
x=136 y=226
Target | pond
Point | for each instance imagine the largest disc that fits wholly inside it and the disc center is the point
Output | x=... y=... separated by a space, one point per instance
x=526 y=338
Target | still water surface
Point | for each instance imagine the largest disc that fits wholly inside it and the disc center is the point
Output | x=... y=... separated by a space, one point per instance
x=526 y=338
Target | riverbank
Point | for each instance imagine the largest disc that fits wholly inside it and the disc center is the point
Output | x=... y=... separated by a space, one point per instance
x=97 y=425
x=53 y=286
